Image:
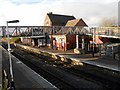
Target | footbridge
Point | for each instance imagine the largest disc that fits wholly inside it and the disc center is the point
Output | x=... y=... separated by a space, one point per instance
x=38 y=31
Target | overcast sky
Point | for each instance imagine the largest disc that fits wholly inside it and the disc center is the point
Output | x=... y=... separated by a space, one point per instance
x=33 y=12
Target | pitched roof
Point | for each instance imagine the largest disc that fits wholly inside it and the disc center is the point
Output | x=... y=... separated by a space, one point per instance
x=76 y=22
x=59 y=20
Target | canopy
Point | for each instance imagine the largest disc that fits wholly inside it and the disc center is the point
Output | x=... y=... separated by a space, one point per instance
x=96 y=41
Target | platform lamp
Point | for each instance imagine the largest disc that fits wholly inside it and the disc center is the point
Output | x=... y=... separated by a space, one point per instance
x=9 y=52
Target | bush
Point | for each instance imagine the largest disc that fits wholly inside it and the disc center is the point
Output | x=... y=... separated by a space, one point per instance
x=12 y=39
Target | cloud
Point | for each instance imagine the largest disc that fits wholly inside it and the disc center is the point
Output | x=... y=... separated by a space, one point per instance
x=32 y=12
x=28 y=14
x=22 y=1
x=91 y=12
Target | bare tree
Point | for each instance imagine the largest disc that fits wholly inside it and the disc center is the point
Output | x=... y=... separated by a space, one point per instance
x=108 y=22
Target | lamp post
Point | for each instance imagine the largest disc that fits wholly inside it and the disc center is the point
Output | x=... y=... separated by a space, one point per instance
x=93 y=42
x=9 y=52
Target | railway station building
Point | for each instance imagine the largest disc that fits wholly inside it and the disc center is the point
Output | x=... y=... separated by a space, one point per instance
x=64 y=41
x=60 y=41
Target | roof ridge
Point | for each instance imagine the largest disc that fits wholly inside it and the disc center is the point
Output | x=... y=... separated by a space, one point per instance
x=75 y=22
x=60 y=15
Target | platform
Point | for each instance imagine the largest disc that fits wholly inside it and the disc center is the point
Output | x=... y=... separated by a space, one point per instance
x=0 y=69
x=24 y=77
x=104 y=62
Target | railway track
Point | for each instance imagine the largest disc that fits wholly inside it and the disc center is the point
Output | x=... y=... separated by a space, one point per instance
x=39 y=68
x=48 y=72
x=104 y=77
